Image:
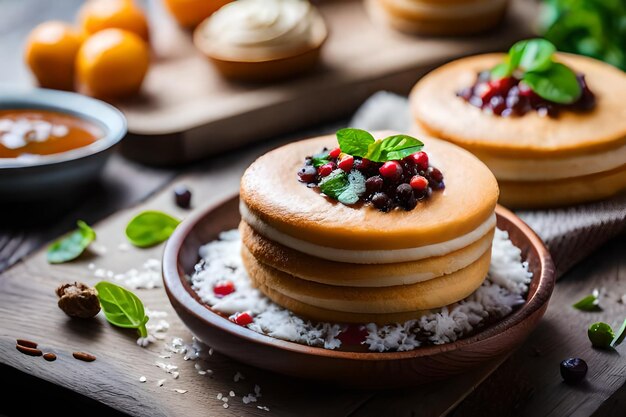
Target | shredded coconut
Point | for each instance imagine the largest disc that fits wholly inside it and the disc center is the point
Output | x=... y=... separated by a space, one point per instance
x=503 y=290
x=148 y=277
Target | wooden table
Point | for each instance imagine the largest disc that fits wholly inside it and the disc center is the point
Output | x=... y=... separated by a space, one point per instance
x=527 y=383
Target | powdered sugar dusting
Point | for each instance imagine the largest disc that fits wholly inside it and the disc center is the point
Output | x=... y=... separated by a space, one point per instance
x=502 y=291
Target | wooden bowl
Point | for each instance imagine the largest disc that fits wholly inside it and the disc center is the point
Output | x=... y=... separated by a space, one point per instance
x=366 y=370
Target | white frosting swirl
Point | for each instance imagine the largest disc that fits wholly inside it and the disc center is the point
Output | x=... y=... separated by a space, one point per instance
x=263 y=29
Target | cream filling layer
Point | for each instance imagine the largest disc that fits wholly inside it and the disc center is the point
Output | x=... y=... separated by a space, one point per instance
x=365 y=256
x=448 y=10
x=262 y=29
x=525 y=169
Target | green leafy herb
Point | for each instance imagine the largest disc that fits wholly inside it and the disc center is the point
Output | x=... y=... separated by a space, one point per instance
x=346 y=188
x=355 y=142
x=594 y=28
x=601 y=335
x=122 y=308
x=533 y=62
x=619 y=336
x=71 y=246
x=150 y=228
x=557 y=84
x=320 y=159
x=360 y=143
x=589 y=303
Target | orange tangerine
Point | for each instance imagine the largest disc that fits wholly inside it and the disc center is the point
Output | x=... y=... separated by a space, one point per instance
x=112 y=64
x=50 y=53
x=97 y=15
x=189 y=13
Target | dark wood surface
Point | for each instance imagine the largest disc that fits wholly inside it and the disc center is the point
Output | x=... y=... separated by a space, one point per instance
x=526 y=384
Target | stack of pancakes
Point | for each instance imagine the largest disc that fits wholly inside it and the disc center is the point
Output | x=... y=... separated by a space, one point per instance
x=438 y=17
x=331 y=262
x=539 y=161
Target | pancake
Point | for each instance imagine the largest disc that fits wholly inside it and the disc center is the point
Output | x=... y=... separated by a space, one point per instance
x=437 y=110
x=533 y=194
x=426 y=295
x=323 y=271
x=426 y=17
x=271 y=192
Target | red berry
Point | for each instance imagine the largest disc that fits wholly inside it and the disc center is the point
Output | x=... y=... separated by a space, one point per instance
x=334 y=153
x=326 y=169
x=391 y=170
x=346 y=163
x=242 y=319
x=419 y=183
x=223 y=288
x=420 y=159
x=354 y=334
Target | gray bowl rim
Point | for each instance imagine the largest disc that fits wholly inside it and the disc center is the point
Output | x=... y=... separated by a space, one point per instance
x=109 y=118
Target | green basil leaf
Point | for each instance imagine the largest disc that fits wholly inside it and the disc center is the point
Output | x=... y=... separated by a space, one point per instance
x=532 y=55
x=354 y=142
x=620 y=335
x=393 y=148
x=502 y=70
x=121 y=307
x=557 y=84
x=71 y=246
x=150 y=228
x=320 y=159
x=589 y=303
x=335 y=184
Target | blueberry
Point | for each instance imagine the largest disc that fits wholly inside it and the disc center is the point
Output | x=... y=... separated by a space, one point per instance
x=381 y=201
x=573 y=370
x=373 y=185
x=404 y=192
x=182 y=197
x=434 y=174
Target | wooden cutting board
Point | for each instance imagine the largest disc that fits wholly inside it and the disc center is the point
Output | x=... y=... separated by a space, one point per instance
x=187 y=110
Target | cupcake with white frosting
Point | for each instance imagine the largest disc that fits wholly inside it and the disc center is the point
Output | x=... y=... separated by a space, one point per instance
x=260 y=40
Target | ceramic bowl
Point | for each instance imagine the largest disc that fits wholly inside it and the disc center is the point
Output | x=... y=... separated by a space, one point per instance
x=59 y=175
x=365 y=370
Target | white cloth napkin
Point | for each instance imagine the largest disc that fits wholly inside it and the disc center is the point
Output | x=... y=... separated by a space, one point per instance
x=571 y=233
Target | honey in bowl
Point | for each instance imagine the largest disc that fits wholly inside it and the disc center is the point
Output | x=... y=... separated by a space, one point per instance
x=43 y=132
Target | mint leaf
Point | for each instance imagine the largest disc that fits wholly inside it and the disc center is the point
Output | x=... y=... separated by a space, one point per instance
x=320 y=159
x=345 y=188
x=71 y=246
x=620 y=335
x=557 y=84
x=122 y=308
x=335 y=184
x=150 y=227
x=532 y=55
x=354 y=142
x=502 y=70
x=393 y=148
x=589 y=303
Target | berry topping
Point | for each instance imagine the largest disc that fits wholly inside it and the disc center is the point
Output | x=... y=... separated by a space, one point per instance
x=373 y=184
x=381 y=201
x=573 y=370
x=307 y=173
x=419 y=183
x=326 y=169
x=242 y=319
x=334 y=153
x=182 y=197
x=353 y=334
x=223 y=288
x=420 y=159
x=391 y=170
x=346 y=163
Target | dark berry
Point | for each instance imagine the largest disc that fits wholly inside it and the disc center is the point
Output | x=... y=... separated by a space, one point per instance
x=373 y=185
x=497 y=104
x=404 y=192
x=420 y=159
x=326 y=169
x=381 y=201
x=353 y=334
x=346 y=163
x=410 y=203
x=391 y=170
x=363 y=164
x=182 y=196
x=434 y=174
x=573 y=370
x=419 y=183
x=334 y=153
x=307 y=173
